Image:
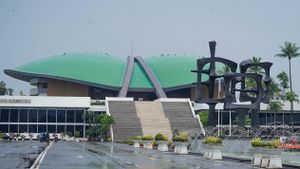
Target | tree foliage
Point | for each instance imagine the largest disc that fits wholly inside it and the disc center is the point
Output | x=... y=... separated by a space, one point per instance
x=275 y=106
x=99 y=125
x=4 y=90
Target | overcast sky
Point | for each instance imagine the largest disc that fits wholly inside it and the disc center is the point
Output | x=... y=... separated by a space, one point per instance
x=32 y=30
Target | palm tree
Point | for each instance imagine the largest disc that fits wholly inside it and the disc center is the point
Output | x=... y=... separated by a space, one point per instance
x=275 y=106
x=256 y=68
x=289 y=50
x=283 y=81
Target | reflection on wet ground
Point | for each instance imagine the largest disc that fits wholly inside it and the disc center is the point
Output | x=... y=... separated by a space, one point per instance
x=107 y=156
x=19 y=154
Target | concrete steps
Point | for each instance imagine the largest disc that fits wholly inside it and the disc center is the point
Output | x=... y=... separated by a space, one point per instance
x=153 y=118
x=127 y=124
x=138 y=118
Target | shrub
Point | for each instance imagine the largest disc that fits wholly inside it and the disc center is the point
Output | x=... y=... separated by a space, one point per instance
x=1 y=135
x=137 y=138
x=22 y=136
x=257 y=142
x=147 y=138
x=161 y=137
x=212 y=140
x=76 y=134
x=128 y=141
x=181 y=137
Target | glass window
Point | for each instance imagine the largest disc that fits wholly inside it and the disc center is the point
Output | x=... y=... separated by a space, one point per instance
x=70 y=130
x=23 y=115
x=23 y=128
x=14 y=115
x=287 y=118
x=4 y=115
x=32 y=115
x=61 y=116
x=70 y=116
x=51 y=128
x=60 y=129
x=51 y=116
x=79 y=114
x=14 y=128
x=80 y=129
x=42 y=129
x=4 y=128
x=32 y=128
x=42 y=115
x=262 y=118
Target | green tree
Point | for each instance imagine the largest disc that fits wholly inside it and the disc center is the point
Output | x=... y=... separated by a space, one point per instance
x=275 y=106
x=275 y=91
x=283 y=81
x=291 y=97
x=289 y=50
x=105 y=122
x=204 y=118
x=250 y=83
x=9 y=91
x=22 y=93
x=256 y=68
x=89 y=117
x=2 y=88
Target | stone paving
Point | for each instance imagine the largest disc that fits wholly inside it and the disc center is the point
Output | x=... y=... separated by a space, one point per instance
x=67 y=155
x=19 y=154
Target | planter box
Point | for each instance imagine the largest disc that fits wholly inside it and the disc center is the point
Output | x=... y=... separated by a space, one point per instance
x=148 y=145
x=212 y=152
x=266 y=157
x=162 y=146
x=136 y=143
x=181 y=147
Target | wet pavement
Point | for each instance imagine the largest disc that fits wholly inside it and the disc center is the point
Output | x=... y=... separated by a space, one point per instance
x=67 y=155
x=19 y=154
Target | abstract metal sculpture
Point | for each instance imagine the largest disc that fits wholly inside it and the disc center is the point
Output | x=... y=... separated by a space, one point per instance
x=250 y=98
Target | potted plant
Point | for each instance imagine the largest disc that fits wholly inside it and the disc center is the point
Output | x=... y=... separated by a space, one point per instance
x=136 y=141
x=266 y=153
x=162 y=142
x=1 y=136
x=147 y=141
x=212 y=147
x=30 y=136
x=77 y=135
x=181 y=143
x=23 y=137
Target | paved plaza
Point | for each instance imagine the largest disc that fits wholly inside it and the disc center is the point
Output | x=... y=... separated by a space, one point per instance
x=67 y=155
x=19 y=154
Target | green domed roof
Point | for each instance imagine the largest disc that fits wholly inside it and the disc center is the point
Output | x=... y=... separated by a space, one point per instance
x=171 y=70
x=99 y=68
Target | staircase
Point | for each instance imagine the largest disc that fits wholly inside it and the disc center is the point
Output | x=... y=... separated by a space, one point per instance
x=138 y=118
x=127 y=124
x=152 y=118
x=180 y=116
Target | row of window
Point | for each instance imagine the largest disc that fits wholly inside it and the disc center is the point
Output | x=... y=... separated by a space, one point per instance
x=41 y=128
x=264 y=118
x=41 y=115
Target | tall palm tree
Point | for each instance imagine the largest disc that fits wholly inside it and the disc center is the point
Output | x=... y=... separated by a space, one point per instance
x=256 y=68
x=283 y=81
x=289 y=50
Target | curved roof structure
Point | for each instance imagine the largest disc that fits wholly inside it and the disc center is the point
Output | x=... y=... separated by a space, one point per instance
x=172 y=71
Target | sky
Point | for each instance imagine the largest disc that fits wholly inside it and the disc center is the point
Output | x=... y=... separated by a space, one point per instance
x=31 y=30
